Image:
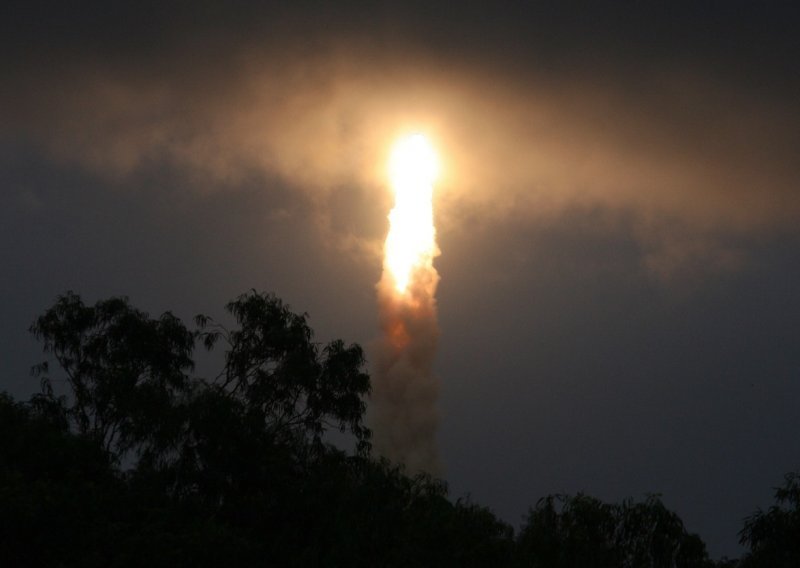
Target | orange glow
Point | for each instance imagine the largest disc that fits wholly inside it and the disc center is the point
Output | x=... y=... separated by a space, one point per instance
x=398 y=335
x=411 y=243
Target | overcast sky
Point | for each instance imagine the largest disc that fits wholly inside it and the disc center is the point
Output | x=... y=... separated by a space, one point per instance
x=617 y=213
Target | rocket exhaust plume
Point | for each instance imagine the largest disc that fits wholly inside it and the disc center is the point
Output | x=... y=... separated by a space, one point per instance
x=405 y=391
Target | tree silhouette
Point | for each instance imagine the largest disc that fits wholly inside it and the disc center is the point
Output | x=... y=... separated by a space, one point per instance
x=138 y=462
x=126 y=372
x=773 y=536
x=568 y=531
x=277 y=372
x=233 y=469
x=581 y=531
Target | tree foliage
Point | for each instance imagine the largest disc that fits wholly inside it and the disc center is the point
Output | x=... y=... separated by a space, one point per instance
x=228 y=470
x=581 y=531
x=276 y=371
x=126 y=372
x=126 y=458
x=773 y=536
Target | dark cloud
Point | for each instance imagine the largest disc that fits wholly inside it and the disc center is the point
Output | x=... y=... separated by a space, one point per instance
x=657 y=111
x=617 y=212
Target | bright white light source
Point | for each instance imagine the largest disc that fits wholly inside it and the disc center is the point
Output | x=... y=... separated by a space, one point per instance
x=411 y=243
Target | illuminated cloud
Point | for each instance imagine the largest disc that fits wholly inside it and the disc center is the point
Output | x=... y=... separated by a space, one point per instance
x=318 y=106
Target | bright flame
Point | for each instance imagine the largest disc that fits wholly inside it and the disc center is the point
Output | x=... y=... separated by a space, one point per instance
x=411 y=243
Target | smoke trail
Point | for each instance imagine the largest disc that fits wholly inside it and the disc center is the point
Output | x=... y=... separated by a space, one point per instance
x=405 y=390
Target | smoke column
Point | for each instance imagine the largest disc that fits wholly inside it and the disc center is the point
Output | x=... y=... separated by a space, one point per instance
x=405 y=390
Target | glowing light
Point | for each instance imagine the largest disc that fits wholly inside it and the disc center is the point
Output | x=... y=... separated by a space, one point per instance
x=411 y=243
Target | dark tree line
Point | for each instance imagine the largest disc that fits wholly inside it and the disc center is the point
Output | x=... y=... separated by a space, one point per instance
x=125 y=458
